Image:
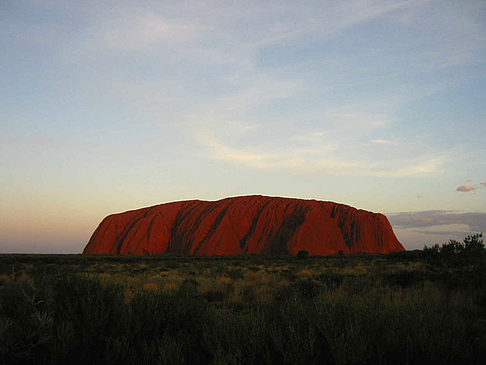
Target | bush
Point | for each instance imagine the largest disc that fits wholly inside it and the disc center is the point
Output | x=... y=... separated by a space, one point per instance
x=471 y=246
x=302 y=254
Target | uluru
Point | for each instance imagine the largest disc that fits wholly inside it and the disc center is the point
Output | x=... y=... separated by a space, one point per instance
x=247 y=224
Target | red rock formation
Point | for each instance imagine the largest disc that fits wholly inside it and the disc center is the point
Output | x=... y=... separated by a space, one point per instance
x=247 y=224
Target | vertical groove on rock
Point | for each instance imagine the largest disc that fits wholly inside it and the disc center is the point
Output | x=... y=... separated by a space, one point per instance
x=125 y=234
x=212 y=229
x=279 y=242
x=174 y=245
x=253 y=225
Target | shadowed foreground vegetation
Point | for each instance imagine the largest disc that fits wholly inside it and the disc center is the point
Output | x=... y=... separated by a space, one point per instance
x=412 y=307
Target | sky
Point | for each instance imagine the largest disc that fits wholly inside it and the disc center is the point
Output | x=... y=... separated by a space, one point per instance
x=107 y=106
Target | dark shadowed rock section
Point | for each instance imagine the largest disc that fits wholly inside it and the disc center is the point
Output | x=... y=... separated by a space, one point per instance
x=247 y=224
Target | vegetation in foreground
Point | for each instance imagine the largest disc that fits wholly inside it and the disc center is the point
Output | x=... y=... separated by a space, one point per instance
x=412 y=307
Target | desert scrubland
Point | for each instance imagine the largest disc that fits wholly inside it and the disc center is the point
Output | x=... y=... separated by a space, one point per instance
x=425 y=306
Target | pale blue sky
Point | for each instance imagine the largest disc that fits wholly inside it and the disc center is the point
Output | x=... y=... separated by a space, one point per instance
x=107 y=106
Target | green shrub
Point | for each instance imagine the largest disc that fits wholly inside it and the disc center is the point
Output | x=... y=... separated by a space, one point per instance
x=302 y=254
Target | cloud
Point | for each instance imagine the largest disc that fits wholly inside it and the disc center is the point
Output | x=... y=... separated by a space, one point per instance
x=460 y=232
x=242 y=90
x=313 y=152
x=134 y=29
x=465 y=188
x=231 y=33
x=33 y=141
x=325 y=142
x=430 y=218
x=383 y=141
x=252 y=25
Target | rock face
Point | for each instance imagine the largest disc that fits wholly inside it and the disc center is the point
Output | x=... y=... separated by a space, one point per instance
x=247 y=224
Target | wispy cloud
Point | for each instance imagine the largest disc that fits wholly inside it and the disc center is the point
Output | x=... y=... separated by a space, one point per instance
x=383 y=141
x=129 y=26
x=227 y=32
x=31 y=141
x=312 y=152
x=230 y=111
